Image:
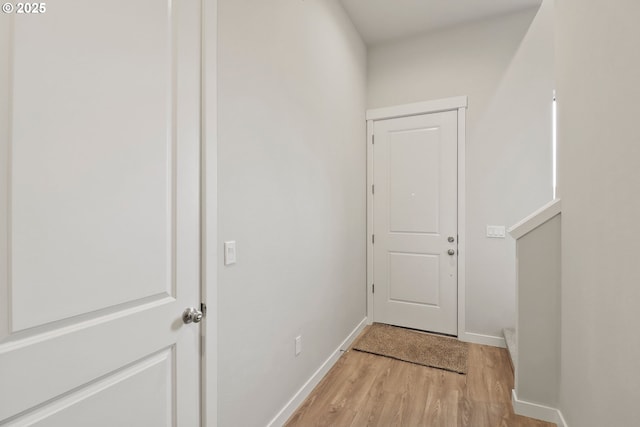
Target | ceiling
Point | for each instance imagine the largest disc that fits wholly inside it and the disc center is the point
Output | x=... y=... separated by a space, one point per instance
x=383 y=20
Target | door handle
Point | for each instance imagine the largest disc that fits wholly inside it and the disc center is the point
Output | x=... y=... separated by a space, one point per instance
x=192 y=315
x=451 y=252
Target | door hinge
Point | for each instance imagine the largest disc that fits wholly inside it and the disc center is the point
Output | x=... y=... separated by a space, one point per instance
x=373 y=139
x=373 y=288
x=373 y=189
x=203 y=309
x=373 y=239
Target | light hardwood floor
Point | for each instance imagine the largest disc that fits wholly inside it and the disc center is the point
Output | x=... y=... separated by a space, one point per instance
x=367 y=390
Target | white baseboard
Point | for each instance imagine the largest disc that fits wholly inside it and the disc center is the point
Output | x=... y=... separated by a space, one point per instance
x=539 y=412
x=561 y=421
x=308 y=387
x=482 y=339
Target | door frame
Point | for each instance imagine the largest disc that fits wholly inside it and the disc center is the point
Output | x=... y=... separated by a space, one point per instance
x=459 y=104
x=209 y=213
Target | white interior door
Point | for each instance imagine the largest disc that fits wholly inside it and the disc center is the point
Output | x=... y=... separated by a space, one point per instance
x=415 y=222
x=99 y=214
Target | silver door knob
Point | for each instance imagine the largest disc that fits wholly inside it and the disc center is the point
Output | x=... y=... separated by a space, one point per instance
x=191 y=315
x=451 y=239
x=451 y=252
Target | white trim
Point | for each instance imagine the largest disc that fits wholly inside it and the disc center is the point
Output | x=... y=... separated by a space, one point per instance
x=482 y=339
x=462 y=221
x=434 y=106
x=536 y=219
x=537 y=411
x=446 y=104
x=209 y=211
x=308 y=387
x=561 y=421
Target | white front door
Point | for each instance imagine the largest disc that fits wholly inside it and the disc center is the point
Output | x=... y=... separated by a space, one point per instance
x=99 y=214
x=415 y=222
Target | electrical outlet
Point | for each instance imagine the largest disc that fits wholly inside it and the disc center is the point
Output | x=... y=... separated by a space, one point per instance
x=298 y=344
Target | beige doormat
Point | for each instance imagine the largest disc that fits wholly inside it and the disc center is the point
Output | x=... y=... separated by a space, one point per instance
x=415 y=347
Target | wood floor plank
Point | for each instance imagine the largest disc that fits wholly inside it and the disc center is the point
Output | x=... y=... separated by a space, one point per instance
x=488 y=381
x=368 y=390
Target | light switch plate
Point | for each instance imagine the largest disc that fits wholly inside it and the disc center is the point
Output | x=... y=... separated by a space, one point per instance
x=496 y=231
x=230 y=252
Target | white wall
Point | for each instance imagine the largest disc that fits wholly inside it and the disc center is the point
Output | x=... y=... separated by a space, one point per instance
x=598 y=66
x=292 y=161
x=505 y=66
x=538 y=328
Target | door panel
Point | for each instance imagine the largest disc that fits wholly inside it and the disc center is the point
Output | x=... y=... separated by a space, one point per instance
x=99 y=195
x=407 y=270
x=140 y=395
x=92 y=148
x=414 y=180
x=415 y=212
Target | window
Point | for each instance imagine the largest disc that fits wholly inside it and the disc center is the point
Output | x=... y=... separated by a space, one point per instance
x=554 y=145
